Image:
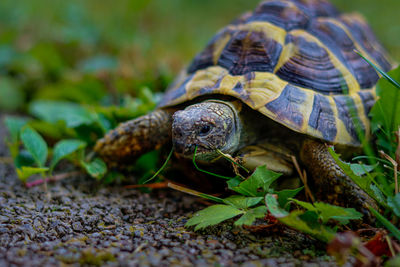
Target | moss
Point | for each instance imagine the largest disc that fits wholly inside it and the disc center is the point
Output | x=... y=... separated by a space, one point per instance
x=96 y=258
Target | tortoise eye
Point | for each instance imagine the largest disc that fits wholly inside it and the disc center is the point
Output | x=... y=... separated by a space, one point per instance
x=205 y=129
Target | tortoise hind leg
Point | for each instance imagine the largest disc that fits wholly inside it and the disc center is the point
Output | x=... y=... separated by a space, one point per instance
x=330 y=183
x=133 y=138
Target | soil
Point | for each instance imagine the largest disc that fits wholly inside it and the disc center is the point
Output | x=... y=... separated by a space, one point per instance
x=79 y=221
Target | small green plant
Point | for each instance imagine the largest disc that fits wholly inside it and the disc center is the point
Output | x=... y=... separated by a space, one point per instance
x=33 y=157
x=75 y=126
x=256 y=197
x=380 y=180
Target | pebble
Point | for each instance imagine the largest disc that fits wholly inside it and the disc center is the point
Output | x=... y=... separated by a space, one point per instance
x=83 y=222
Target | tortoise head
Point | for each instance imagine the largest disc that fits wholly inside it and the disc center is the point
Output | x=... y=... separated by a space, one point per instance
x=209 y=125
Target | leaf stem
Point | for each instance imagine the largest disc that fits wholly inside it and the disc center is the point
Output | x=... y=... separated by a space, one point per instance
x=395 y=168
x=303 y=178
x=54 y=178
x=232 y=160
x=207 y=172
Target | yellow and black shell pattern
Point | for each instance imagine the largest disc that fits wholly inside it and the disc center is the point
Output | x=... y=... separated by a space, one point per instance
x=295 y=62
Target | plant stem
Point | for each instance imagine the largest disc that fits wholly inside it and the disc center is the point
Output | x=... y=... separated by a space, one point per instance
x=395 y=167
x=6 y=160
x=54 y=178
x=303 y=178
x=207 y=172
x=195 y=193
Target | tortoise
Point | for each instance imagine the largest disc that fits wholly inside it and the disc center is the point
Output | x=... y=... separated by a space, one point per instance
x=282 y=80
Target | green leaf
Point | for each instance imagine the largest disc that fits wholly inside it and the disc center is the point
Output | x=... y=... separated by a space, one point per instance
x=361 y=169
x=11 y=96
x=258 y=183
x=35 y=144
x=306 y=205
x=212 y=215
x=242 y=202
x=99 y=63
x=393 y=262
x=394 y=203
x=97 y=168
x=284 y=195
x=319 y=231
x=25 y=172
x=14 y=126
x=311 y=218
x=251 y=215
x=72 y=114
x=273 y=206
x=299 y=220
x=63 y=149
x=7 y=55
x=24 y=158
x=340 y=214
x=234 y=182
x=378 y=193
x=54 y=131
x=327 y=212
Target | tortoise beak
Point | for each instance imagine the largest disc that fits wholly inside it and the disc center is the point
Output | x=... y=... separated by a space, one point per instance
x=184 y=149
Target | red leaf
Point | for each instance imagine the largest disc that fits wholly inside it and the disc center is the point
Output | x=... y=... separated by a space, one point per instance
x=378 y=245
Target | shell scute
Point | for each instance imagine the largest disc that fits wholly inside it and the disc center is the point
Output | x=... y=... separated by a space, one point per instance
x=336 y=37
x=289 y=106
x=322 y=118
x=212 y=51
x=280 y=13
x=347 y=114
x=310 y=66
x=316 y=8
x=250 y=51
x=364 y=36
x=368 y=100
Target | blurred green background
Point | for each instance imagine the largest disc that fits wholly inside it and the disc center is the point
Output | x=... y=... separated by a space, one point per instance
x=82 y=50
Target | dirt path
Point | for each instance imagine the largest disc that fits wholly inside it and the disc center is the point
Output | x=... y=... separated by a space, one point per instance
x=83 y=222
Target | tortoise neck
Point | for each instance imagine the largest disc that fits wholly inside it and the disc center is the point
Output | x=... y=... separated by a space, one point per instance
x=256 y=127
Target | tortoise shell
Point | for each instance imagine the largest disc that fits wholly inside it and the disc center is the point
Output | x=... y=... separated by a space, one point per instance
x=295 y=62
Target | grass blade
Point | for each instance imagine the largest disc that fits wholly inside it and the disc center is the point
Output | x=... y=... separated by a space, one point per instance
x=207 y=172
x=384 y=74
x=393 y=229
x=162 y=167
x=195 y=193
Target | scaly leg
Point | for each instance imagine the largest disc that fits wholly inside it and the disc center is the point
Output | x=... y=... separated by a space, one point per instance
x=135 y=137
x=330 y=183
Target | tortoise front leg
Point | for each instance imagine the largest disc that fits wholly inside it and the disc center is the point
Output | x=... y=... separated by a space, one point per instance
x=135 y=137
x=330 y=183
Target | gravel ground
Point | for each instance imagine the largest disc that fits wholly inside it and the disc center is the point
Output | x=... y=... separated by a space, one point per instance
x=79 y=222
